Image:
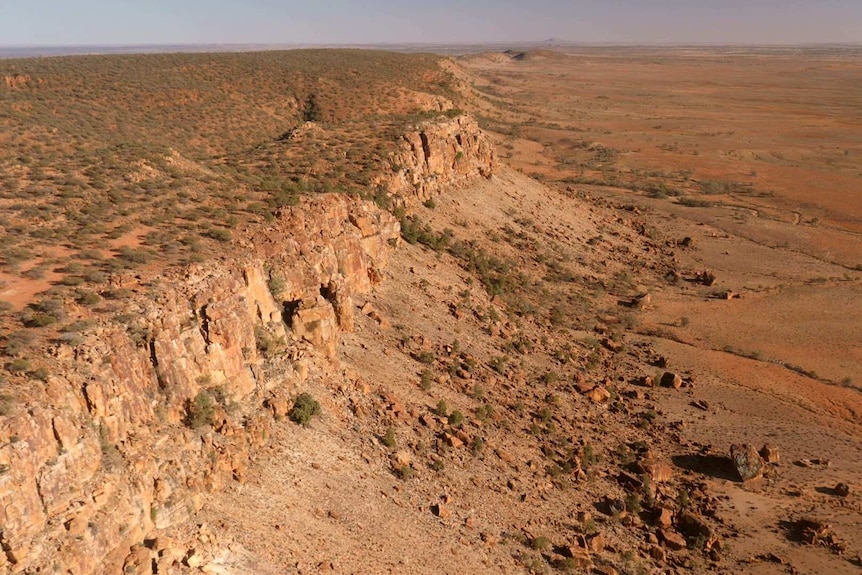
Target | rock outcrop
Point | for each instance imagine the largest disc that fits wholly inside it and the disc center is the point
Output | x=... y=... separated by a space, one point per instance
x=169 y=399
x=437 y=155
x=152 y=413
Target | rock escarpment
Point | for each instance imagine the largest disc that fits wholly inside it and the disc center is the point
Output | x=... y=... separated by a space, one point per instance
x=150 y=414
x=438 y=155
x=169 y=399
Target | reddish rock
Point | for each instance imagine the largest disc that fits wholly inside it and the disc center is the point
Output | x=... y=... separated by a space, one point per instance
x=672 y=380
x=663 y=517
x=599 y=395
x=673 y=540
x=770 y=453
x=747 y=461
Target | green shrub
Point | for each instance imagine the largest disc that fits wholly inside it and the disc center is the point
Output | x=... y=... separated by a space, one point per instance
x=388 y=438
x=456 y=418
x=426 y=379
x=200 y=410
x=540 y=543
x=304 y=408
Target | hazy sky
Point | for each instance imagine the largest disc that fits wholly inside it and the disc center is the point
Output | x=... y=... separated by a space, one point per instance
x=63 y=22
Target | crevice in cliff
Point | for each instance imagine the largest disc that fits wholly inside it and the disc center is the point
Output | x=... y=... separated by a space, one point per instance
x=329 y=293
x=56 y=434
x=7 y=550
x=426 y=147
x=288 y=311
x=151 y=344
x=205 y=325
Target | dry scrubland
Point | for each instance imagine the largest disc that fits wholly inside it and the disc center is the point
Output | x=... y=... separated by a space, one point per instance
x=543 y=371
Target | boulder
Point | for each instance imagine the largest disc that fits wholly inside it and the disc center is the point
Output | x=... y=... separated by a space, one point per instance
x=673 y=540
x=598 y=394
x=747 y=461
x=670 y=379
x=770 y=453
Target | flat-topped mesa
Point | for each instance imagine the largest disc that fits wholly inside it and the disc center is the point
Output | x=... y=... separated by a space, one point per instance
x=166 y=403
x=439 y=154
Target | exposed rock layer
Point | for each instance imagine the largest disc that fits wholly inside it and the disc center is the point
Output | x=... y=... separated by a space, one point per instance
x=154 y=411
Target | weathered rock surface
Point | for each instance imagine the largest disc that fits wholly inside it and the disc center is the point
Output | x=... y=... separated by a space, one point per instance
x=747 y=461
x=126 y=442
x=437 y=155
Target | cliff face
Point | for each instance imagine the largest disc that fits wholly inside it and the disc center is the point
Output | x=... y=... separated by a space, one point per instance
x=439 y=155
x=168 y=401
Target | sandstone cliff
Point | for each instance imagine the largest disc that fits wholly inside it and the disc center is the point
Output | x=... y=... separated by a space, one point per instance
x=438 y=155
x=168 y=400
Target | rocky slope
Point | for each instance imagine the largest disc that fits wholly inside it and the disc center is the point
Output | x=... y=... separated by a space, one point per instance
x=150 y=412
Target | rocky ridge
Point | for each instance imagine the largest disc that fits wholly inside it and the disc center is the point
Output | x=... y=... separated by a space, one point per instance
x=150 y=412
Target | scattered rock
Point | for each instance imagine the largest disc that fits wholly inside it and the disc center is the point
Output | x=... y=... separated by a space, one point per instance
x=598 y=394
x=813 y=463
x=814 y=532
x=770 y=453
x=612 y=344
x=641 y=301
x=401 y=459
x=596 y=543
x=575 y=557
x=841 y=490
x=693 y=526
x=441 y=511
x=673 y=540
x=657 y=471
x=705 y=277
x=670 y=379
x=616 y=506
x=193 y=559
x=748 y=463
x=663 y=517
x=584 y=387
x=648 y=381
x=453 y=441
x=700 y=404
x=657 y=553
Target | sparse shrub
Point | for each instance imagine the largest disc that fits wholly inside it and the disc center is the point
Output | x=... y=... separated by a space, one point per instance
x=304 y=408
x=218 y=234
x=442 y=409
x=485 y=413
x=456 y=418
x=588 y=456
x=477 y=445
x=6 y=402
x=404 y=473
x=499 y=363
x=478 y=391
x=19 y=365
x=276 y=285
x=200 y=410
x=540 y=543
x=388 y=438
x=87 y=298
x=633 y=503
x=426 y=379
